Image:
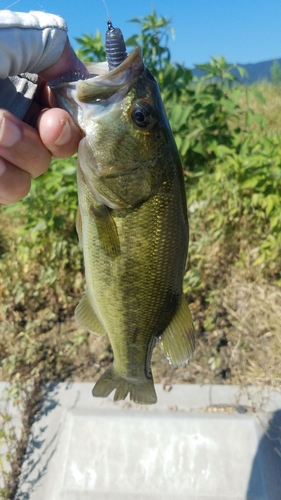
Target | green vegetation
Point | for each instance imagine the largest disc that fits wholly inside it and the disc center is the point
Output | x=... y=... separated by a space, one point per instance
x=275 y=71
x=229 y=137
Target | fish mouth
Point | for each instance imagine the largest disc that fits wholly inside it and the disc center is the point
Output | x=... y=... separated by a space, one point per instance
x=71 y=76
x=99 y=74
x=77 y=92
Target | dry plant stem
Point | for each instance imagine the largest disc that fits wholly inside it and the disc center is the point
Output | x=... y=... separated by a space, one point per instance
x=16 y=446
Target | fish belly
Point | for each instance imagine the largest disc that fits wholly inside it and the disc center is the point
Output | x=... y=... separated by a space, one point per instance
x=134 y=264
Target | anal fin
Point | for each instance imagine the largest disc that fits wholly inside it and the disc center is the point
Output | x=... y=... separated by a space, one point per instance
x=178 y=339
x=86 y=317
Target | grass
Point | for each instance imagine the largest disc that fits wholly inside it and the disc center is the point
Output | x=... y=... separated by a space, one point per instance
x=235 y=306
x=270 y=109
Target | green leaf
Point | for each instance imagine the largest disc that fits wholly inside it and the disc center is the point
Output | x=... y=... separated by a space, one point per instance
x=236 y=95
x=132 y=41
x=198 y=148
x=2 y=434
x=259 y=260
x=41 y=225
x=184 y=147
x=242 y=72
x=178 y=140
x=259 y=97
x=250 y=183
x=70 y=170
x=274 y=221
x=269 y=205
x=136 y=20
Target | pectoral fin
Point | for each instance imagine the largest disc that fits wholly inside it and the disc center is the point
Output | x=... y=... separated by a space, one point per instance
x=107 y=230
x=86 y=317
x=178 y=340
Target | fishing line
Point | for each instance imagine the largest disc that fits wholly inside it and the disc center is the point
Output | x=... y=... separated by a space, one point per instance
x=11 y=5
x=107 y=10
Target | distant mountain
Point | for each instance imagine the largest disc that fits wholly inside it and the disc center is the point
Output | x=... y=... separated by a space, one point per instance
x=256 y=72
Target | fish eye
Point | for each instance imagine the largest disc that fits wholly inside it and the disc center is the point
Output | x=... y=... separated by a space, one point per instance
x=142 y=114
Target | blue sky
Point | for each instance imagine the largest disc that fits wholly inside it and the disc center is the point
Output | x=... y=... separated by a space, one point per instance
x=243 y=31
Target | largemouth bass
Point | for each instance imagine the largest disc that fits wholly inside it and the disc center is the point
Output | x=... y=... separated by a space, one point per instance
x=132 y=224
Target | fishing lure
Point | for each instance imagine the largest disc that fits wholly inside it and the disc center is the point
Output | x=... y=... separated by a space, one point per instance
x=115 y=46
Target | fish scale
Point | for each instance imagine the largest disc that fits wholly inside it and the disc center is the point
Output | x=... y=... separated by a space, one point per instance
x=132 y=224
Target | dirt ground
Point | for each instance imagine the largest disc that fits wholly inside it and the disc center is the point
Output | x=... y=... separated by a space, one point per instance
x=244 y=348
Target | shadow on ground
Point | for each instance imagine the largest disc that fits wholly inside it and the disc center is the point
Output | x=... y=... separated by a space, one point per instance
x=265 y=479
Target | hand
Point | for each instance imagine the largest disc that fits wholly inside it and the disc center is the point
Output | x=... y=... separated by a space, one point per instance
x=25 y=151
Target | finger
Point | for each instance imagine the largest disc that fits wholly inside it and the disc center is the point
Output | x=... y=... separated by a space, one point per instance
x=58 y=132
x=20 y=145
x=14 y=183
x=42 y=99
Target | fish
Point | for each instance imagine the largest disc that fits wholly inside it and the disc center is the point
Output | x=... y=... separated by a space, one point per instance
x=132 y=221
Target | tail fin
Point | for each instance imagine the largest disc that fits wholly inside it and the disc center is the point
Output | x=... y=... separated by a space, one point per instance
x=141 y=393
